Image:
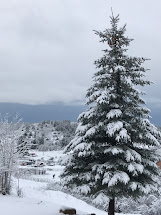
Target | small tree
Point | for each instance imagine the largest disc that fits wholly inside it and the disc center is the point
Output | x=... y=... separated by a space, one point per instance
x=113 y=153
x=23 y=146
x=9 y=134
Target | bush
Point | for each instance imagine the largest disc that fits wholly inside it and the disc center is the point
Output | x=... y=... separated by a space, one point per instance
x=20 y=193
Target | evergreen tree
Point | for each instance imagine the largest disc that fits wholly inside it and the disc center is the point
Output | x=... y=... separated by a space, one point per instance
x=114 y=151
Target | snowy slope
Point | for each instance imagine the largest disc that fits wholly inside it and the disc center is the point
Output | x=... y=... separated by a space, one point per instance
x=38 y=201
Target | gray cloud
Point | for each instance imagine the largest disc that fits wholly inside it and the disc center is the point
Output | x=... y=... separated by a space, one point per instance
x=47 y=48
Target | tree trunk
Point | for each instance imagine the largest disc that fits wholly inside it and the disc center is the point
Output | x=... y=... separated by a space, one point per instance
x=3 y=185
x=111 y=207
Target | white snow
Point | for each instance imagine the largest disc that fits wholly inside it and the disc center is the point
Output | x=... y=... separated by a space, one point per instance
x=101 y=198
x=90 y=131
x=113 y=127
x=135 y=168
x=131 y=168
x=81 y=154
x=38 y=200
x=81 y=128
x=133 y=186
x=114 y=113
x=132 y=155
x=77 y=139
x=119 y=176
x=47 y=202
x=80 y=146
x=106 y=178
x=114 y=150
x=89 y=113
x=119 y=67
x=152 y=138
x=123 y=135
x=84 y=189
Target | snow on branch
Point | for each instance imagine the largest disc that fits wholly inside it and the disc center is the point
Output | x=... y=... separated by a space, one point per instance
x=81 y=128
x=132 y=155
x=100 y=199
x=154 y=140
x=84 y=189
x=119 y=177
x=114 y=113
x=82 y=146
x=113 y=127
x=135 y=168
x=91 y=131
x=114 y=150
x=123 y=135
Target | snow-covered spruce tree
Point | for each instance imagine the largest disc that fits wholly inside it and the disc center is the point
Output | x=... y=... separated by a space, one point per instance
x=114 y=153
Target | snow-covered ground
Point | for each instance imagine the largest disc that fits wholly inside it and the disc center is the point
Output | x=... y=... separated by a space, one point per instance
x=48 y=154
x=37 y=200
x=50 y=170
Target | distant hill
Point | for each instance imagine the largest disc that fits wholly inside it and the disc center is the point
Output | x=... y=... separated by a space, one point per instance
x=39 y=113
x=58 y=111
x=47 y=135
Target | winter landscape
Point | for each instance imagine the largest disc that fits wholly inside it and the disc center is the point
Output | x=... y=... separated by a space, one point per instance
x=40 y=192
x=80 y=139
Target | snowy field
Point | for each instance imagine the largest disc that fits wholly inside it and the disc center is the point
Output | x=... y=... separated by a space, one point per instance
x=50 y=170
x=37 y=200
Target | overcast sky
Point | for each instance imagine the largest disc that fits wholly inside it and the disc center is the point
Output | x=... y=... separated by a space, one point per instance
x=47 y=47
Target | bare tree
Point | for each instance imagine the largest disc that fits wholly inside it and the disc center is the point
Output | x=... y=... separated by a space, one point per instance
x=9 y=134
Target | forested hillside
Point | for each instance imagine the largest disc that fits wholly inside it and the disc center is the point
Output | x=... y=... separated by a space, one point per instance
x=47 y=135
